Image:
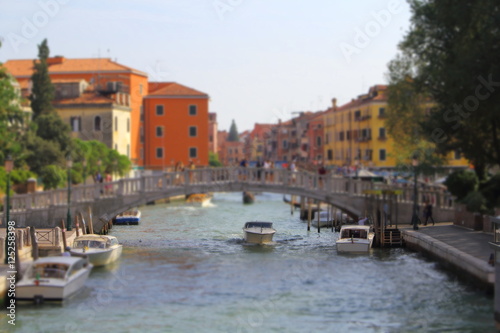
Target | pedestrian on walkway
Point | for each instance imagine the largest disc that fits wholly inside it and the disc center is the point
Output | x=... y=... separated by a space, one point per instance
x=428 y=213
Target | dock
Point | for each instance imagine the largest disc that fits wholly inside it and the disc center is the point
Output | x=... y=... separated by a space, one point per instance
x=465 y=251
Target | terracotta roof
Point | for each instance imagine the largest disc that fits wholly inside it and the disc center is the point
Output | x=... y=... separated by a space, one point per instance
x=260 y=129
x=24 y=67
x=172 y=89
x=375 y=93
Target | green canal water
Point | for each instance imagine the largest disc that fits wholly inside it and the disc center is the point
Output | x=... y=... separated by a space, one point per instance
x=186 y=269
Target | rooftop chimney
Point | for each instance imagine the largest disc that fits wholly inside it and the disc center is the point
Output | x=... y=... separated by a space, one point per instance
x=55 y=60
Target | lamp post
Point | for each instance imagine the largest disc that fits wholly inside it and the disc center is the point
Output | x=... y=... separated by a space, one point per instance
x=9 y=165
x=414 y=219
x=69 y=164
x=84 y=164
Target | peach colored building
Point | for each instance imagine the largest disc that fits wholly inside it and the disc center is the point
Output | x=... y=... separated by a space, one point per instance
x=107 y=77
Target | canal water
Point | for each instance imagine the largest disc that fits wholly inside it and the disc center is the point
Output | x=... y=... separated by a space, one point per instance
x=186 y=269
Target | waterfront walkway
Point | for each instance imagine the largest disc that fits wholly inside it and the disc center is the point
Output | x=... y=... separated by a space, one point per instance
x=465 y=249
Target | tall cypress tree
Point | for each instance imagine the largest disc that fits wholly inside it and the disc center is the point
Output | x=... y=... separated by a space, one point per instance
x=42 y=93
x=233 y=133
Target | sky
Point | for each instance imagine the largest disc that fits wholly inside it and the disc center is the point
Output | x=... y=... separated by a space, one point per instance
x=258 y=60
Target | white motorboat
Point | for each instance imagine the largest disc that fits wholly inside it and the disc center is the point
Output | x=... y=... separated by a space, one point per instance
x=128 y=217
x=355 y=238
x=100 y=249
x=53 y=278
x=258 y=232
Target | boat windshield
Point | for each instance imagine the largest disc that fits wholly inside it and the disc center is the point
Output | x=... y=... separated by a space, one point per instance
x=258 y=225
x=57 y=271
x=354 y=233
x=80 y=244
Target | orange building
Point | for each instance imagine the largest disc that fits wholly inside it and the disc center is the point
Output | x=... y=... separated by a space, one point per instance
x=175 y=126
x=106 y=76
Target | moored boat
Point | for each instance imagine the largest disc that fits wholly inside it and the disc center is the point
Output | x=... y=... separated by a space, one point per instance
x=355 y=238
x=100 y=249
x=199 y=199
x=132 y=216
x=325 y=220
x=53 y=279
x=259 y=232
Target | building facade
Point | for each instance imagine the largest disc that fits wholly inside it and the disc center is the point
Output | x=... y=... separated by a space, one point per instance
x=174 y=126
x=107 y=77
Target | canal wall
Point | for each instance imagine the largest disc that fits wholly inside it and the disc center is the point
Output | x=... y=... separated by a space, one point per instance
x=478 y=271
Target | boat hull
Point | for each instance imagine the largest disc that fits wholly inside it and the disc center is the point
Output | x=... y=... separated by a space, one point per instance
x=354 y=245
x=126 y=220
x=98 y=257
x=52 y=289
x=258 y=238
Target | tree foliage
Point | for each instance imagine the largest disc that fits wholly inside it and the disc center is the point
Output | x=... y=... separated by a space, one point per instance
x=43 y=91
x=213 y=160
x=461 y=182
x=233 y=135
x=453 y=50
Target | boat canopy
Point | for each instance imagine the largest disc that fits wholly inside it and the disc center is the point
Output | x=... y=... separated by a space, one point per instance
x=258 y=225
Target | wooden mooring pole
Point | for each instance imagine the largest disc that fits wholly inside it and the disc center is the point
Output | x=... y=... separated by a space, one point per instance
x=63 y=232
x=309 y=214
x=317 y=212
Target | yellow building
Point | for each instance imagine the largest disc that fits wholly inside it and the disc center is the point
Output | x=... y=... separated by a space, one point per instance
x=95 y=116
x=356 y=135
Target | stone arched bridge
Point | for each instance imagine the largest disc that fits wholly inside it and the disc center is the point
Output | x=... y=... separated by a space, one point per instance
x=106 y=200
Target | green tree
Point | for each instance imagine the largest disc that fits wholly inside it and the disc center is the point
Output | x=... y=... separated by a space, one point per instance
x=213 y=160
x=405 y=118
x=53 y=177
x=453 y=48
x=233 y=135
x=12 y=118
x=43 y=92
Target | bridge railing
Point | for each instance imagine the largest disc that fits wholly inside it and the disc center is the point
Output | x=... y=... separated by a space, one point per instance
x=212 y=176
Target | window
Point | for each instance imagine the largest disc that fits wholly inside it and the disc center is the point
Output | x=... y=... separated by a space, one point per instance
x=142 y=134
x=159 y=152
x=318 y=141
x=329 y=154
x=381 y=132
x=285 y=144
x=368 y=154
x=348 y=135
x=97 y=123
x=260 y=149
x=76 y=124
x=159 y=110
x=142 y=113
x=211 y=138
x=381 y=112
x=341 y=136
x=128 y=150
x=381 y=155
x=192 y=110
x=140 y=89
x=457 y=154
x=116 y=123
x=128 y=125
x=193 y=152
x=230 y=151
x=357 y=115
x=142 y=153
x=192 y=131
x=159 y=131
